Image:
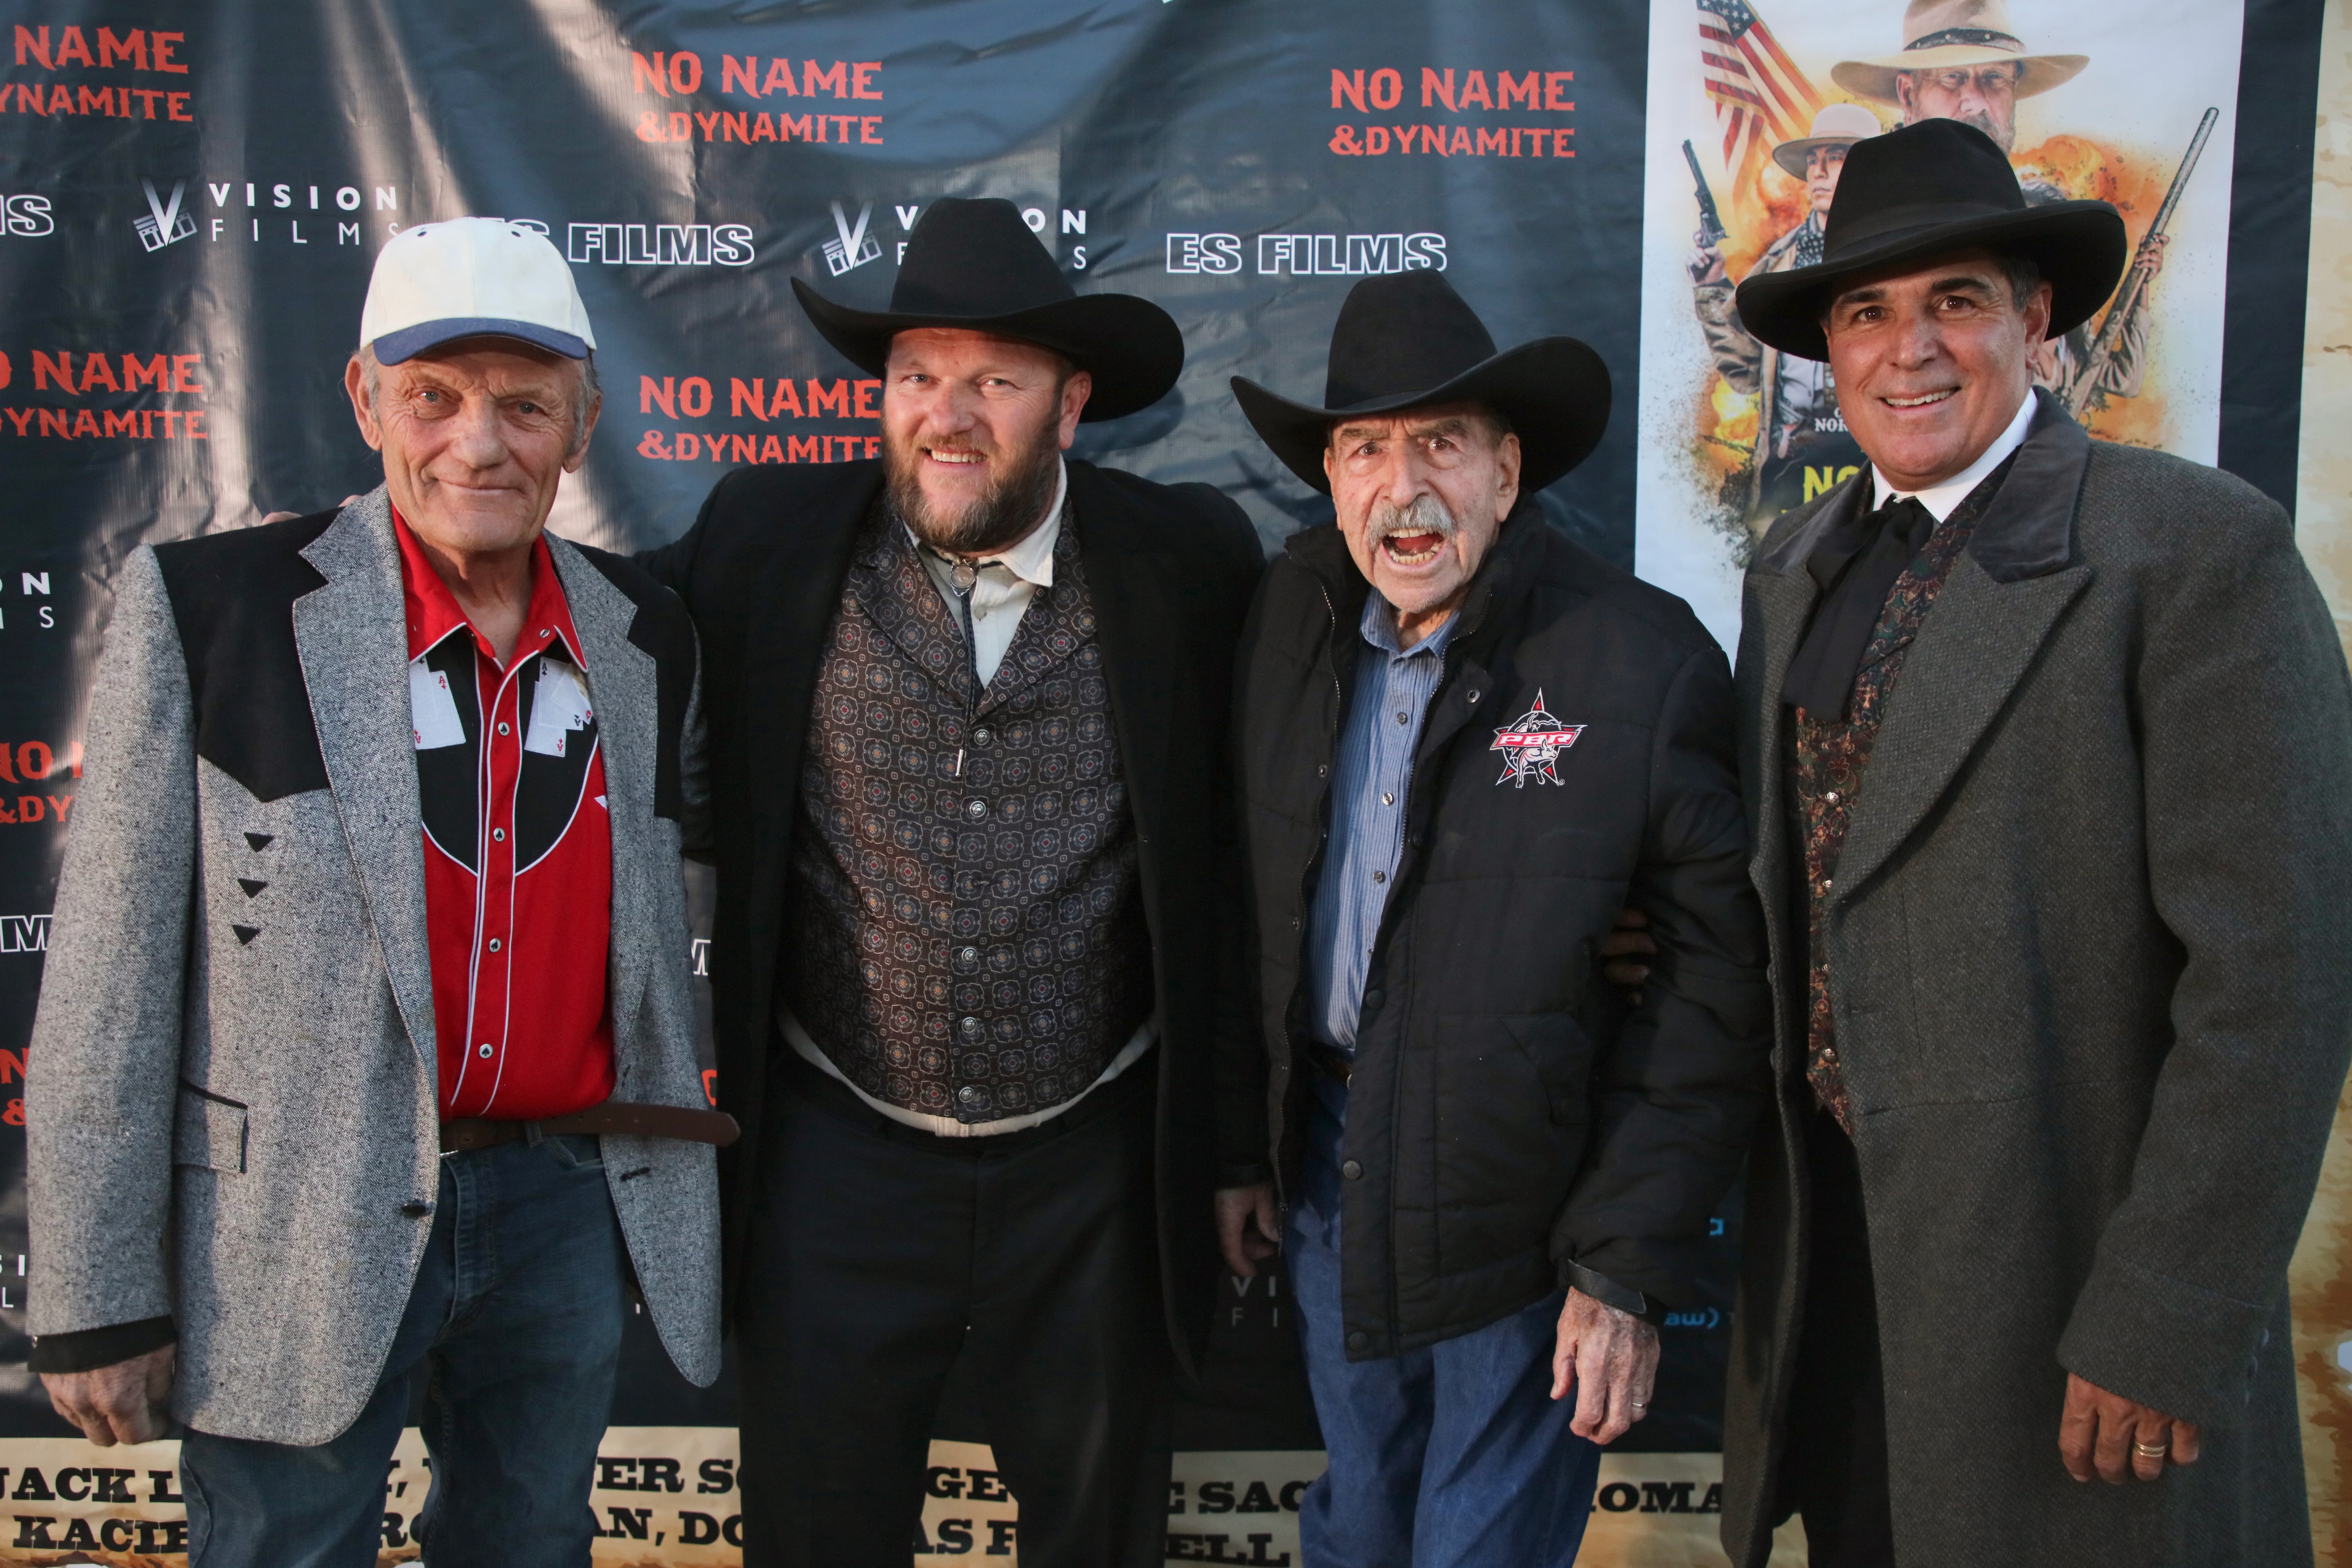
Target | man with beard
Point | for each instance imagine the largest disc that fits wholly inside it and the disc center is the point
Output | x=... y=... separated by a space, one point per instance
x=1961 y=60
x=1464 y=743
x=976 y=883
x=1797 y=425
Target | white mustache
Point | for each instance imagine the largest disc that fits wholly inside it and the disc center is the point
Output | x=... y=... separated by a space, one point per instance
x=1427 y=514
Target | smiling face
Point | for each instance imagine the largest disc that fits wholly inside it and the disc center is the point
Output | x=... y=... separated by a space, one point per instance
x=1932 y=362
x=1822 y=165
x=1421 y=496
x=476 y=437
x=972 y=428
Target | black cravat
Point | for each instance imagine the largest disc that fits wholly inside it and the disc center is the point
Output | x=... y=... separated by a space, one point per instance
x=1855 y=567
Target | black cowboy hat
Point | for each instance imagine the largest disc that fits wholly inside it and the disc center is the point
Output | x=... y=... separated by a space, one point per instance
x=1406 y=340
x=974 y=264
x=1925 y=191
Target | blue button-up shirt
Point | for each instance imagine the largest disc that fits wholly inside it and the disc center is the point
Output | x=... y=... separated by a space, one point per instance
x=1394 y=686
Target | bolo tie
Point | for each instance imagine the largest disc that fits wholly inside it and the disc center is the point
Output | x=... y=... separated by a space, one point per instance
x=964 y=576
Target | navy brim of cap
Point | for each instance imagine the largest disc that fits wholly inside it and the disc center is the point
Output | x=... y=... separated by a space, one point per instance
x=409 y=342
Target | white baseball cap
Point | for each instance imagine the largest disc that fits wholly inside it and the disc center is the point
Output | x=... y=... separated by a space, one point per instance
x=471 y=278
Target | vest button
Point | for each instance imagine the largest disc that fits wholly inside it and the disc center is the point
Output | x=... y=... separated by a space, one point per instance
x=970 y=955
x=968 y=1094
x=971 y=1030
x=982 y=736
x=976 y=810
x=1352 y=1169
x=1358 y=1338
x=1373 y=998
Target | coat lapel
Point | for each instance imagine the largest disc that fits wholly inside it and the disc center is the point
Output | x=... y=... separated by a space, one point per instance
x=622 y=684
x=782 y=653
x=2004 y=596
x=1135 y=623
x=352 y=641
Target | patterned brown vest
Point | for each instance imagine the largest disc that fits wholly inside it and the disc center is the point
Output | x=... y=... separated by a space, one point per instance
x=965 y=933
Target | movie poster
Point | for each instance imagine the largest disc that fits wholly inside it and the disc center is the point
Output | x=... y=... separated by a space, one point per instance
x=1753 y=107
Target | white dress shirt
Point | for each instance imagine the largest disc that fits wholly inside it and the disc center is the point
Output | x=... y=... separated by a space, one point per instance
x=1939 y=499
x=1008 y=581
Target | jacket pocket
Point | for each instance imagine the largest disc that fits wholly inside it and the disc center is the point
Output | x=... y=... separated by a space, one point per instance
x=209 y=1131
x=1557 y=1046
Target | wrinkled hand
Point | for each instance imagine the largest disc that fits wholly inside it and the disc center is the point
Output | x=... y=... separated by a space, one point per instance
x=2099 y=1432
x=1626 y=945
x=1611 y=1358
x=1706 y=265
x=125 y=1403
x=1236 y=1208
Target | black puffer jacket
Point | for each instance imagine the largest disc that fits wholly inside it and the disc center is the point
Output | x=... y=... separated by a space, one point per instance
x=1512 y=1122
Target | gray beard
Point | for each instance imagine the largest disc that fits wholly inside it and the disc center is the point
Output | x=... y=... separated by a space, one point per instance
x=1014 y=504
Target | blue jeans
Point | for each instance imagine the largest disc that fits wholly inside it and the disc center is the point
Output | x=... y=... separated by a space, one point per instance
x=516 y=1320
x=1452 y=1455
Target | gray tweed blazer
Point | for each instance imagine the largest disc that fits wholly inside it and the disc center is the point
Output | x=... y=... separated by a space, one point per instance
x=2090 y=952
x=231 y=1093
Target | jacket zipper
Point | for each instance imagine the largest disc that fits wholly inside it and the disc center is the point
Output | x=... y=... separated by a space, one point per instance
x=1379 y=944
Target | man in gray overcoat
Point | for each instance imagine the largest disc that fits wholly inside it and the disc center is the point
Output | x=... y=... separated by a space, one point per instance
x=366 y=1045
x=2048 y=756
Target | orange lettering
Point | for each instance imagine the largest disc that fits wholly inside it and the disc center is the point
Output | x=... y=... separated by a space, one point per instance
x=132 y=46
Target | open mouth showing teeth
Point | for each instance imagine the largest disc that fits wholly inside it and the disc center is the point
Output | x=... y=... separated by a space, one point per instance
x=1413 y=549
x=941 y=455
x=1920 y=401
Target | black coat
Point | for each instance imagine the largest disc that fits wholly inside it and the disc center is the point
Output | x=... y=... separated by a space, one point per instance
x=1170 y=568
x=1512 y=1119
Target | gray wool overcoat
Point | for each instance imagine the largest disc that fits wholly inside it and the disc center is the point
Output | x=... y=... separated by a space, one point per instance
x=232 y=1114
x=2090 y=953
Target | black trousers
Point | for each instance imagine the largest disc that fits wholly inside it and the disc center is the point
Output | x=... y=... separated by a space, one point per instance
x=879 y=1254
x=1833 y=1471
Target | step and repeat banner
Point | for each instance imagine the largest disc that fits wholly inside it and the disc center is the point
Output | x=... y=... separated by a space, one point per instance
x=192 y=195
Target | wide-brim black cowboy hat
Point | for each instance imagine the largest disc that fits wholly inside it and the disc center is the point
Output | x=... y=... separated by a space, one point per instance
x=1406 y=340
x=1929 y=190
x=975 y=265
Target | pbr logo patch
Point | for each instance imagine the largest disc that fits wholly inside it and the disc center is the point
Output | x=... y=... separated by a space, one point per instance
x=1531 y=744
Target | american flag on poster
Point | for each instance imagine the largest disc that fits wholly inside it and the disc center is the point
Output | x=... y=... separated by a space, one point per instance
x=1760 y=95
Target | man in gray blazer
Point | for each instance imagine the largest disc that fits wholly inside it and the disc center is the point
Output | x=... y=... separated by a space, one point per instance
x=366 y=1044
x=2048 y=755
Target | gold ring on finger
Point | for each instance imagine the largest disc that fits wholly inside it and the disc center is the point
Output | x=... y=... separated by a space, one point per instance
x=2151 y=1451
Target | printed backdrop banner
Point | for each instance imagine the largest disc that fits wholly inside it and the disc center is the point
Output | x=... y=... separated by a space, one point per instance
x=192 y=195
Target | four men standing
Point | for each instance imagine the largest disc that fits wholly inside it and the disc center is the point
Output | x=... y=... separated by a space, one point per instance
x=1054 y=899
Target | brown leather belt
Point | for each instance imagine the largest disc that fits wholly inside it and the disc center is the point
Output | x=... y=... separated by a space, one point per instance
x=462 y=1133
x=1329 y=1062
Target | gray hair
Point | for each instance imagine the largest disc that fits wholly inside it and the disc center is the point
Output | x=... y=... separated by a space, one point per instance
x=591 y=390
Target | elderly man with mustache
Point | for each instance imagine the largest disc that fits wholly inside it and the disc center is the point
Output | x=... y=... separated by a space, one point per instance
x=1464 y=743
x=978 y=906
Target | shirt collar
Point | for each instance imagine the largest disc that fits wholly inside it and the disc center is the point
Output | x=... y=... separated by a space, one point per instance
x=433 y=614
x=1380 y=629
x=1939 y=499
x=1032 y=558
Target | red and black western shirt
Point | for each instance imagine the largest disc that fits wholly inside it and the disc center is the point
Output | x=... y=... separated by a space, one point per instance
x=518 y=852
